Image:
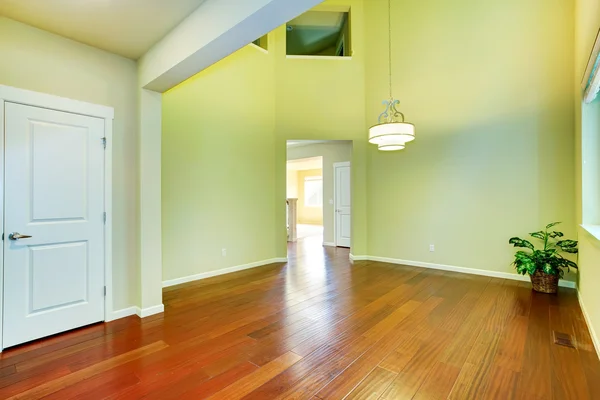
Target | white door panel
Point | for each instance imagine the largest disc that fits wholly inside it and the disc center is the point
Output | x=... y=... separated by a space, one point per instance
x=54 y=192
x=343 y=196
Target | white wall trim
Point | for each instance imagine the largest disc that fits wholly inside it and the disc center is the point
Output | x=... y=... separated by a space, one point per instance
x=108 y=225
x=358 y=258
x=462 y=270
x=51 y=102
x=146 y=312
x=586 y=316
x=134 y=310
x=42 y=100
x=328 y=244
x=210 y=274
x=125 y=312
x=322 y=58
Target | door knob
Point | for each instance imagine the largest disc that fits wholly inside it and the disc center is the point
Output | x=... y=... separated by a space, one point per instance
x=17 y=236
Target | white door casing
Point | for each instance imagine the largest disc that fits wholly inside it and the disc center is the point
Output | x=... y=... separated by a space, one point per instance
x=10 y=96
x=342 y=199
x=54 y=184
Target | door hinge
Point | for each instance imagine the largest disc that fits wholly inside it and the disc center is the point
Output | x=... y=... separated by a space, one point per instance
x=3 y=236
x=104 y=217
x=105 y=290
x=104 y=142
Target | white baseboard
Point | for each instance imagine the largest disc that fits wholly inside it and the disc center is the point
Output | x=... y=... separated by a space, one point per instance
x=593 y=334
x=358 y=258
x=148 y=311
x=463 y=270
x=133 y=310
x=210 y=274
x=125 y=312
x=329 y=244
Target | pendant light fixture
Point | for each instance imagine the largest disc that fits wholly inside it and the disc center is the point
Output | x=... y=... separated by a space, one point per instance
x=391 y=132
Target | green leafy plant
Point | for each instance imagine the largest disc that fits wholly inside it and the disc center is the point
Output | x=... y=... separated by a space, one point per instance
x=548 y=259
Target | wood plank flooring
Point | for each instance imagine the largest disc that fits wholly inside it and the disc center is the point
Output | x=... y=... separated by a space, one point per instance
x=322 y=328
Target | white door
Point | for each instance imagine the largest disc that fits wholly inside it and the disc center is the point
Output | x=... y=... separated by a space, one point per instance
x=54 y=198
x=342 y=196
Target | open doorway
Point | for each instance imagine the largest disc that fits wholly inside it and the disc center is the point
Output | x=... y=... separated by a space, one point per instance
x=318 y=193
x=305 y=185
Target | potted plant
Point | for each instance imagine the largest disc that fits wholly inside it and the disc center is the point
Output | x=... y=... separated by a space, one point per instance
x=546 y=266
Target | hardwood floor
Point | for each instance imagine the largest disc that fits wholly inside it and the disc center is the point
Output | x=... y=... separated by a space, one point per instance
x=322 y=328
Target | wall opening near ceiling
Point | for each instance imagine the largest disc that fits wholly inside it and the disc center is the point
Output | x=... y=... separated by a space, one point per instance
x=319 y=33
x=262 y=42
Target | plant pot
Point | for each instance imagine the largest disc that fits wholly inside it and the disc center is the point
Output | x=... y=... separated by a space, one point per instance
x=544 y=283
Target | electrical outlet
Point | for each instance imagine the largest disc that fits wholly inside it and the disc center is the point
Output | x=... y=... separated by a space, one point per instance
x=431 y=247
x=224 y=252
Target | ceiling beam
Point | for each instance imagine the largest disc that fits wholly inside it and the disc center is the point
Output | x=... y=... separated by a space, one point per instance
x=215 y=30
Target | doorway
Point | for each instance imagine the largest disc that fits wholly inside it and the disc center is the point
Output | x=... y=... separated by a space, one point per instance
x=315 y=193
x=342 y=199
x=305 y=185
x=55 y=260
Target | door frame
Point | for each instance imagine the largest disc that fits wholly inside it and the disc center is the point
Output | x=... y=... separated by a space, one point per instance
x=335 y=213
x=10 y=94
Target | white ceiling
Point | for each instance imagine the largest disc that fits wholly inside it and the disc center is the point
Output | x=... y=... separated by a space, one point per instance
x=125 y=27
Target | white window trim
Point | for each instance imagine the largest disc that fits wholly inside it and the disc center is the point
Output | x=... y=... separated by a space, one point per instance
x=590 y=83
x=313 y=179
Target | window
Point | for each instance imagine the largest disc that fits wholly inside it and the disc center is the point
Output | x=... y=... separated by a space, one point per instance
x=313 y=191
x=319 y=33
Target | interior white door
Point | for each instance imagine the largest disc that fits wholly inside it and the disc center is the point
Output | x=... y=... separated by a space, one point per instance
x=342 y=195
x=54 y=222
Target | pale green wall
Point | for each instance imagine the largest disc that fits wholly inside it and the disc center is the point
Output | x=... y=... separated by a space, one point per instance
x=587 y=22
x=37 y=60
x=488 y=86
x=218 y=167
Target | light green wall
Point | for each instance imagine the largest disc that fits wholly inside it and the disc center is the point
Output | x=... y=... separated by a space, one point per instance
x=587 y=123
x=40 y=61
x=218 y=167
x=494 y=155
x=488 y=86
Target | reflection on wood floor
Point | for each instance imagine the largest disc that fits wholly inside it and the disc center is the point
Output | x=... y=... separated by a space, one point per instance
x=320 y=327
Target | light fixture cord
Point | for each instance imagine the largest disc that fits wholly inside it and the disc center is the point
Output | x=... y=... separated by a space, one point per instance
x=390 y=42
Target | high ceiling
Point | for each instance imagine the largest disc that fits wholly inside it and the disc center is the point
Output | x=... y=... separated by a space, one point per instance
x=125 y=27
